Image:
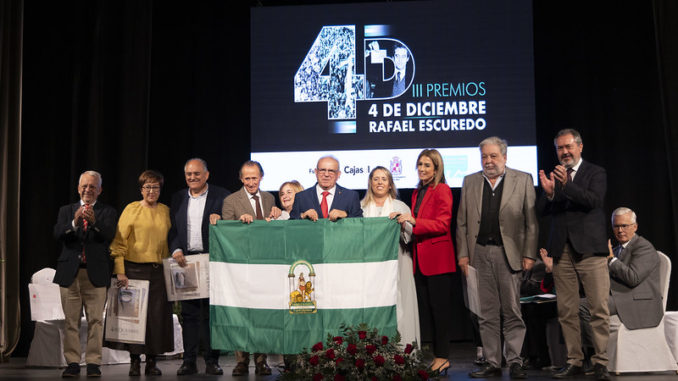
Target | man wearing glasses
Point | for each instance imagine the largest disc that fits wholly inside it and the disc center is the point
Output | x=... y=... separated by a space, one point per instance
x=634 y=275
x=573 y=197
x=86 y=229
x=326 y=199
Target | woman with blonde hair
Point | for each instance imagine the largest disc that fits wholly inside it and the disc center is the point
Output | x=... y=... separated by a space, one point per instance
x=380 y=201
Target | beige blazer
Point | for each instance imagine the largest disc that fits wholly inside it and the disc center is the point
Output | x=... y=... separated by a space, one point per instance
x=517 y=216
x=237 y=204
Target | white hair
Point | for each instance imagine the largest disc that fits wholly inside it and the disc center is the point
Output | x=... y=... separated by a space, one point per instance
x=622 y=211
x=94 y=174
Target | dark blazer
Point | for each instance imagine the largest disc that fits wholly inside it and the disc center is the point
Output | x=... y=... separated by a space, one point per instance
x=433 y=249
x=178 y=233
x=634 y=285
x=577 y=213
x=95 y=240
x=344 y=199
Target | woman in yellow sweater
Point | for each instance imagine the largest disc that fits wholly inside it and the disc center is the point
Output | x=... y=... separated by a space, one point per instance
x=138 y=249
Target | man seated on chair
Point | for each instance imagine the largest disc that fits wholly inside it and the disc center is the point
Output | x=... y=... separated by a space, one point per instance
x=634 y=276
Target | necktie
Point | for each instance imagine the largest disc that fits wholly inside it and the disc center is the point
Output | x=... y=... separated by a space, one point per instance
x=398 y=77
x=569 y=174
x=260 y=215
x=323 y=204
x=618 y=252
x=83 y=258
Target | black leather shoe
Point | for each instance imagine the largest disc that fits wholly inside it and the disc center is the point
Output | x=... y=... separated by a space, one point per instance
x=151 y=367
x=516 y=371
x=93 y=370
x=601 y=373
x=486 y=371
x=72 y=370
x=187 y=368
x=135 y=367
x=262 y=369
x=480 y=361
x=240 y=369
x=568 y=371
x=213 y=369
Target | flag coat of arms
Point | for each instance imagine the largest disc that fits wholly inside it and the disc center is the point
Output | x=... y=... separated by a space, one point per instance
x=282 y=286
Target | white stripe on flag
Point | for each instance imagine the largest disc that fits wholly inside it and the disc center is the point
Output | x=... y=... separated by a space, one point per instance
x=337 y=285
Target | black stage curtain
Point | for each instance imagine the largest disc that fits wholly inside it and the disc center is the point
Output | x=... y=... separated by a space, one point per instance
x=120 y=86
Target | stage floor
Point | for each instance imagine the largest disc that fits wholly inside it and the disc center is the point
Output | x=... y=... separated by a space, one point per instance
x=461 y=357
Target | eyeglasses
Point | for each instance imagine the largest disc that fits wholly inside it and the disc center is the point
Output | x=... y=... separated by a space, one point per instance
x=149 y=188
x=622 y=226
x=325 y=171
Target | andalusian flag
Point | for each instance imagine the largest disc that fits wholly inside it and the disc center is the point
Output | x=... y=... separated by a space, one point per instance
x=281 y=286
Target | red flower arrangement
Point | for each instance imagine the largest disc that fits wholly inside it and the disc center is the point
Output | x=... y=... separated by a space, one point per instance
x=360 y=354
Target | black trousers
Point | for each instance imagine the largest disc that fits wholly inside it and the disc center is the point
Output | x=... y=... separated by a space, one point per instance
x=434 y=295
x=195 y=314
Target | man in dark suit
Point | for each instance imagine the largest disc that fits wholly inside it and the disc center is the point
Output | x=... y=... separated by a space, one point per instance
x=249 y=204
x=191 y=211
x=497 y=233
x=326 y=199
x=83 y=272
x=573 y=197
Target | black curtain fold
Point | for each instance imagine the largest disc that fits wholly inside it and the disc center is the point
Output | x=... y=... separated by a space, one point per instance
x=11 y=55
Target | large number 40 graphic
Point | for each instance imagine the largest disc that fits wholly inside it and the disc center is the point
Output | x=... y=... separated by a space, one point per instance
x=334 y=52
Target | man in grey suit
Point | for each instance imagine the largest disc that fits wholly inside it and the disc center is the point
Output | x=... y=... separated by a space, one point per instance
x=634 y=276
x=249 y=204
x=497 y=234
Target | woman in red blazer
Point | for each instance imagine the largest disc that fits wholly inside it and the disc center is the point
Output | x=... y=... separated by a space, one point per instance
x=433 y=251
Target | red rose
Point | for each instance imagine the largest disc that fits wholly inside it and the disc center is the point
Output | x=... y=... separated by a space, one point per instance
x=384 y=340
x=379 y=360
x=362 y=335
x=317 y=377
x=330 y=354
x=399 y=359
x=314 y=360
x=360 y=364
x=423 y=375
x=318 y=347
x=370 y=348
x=338 y=339
x=397 y=378
x=408 y=348
x=339 y=377
x=352 y=349
x=374 y=378
x=339 y=360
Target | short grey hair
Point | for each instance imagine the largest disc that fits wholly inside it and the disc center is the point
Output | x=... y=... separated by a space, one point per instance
x=203 y=162
x=622 y=211
x=328 y=157
x=569 y=131
x=94 y=174
x=495 y=140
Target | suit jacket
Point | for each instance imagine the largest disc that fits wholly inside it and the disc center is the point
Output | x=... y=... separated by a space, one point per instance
x=433 y=250
x=634 y=285
x=95 y=240
x=344 y=199
x=178 y=233
x=517 y=216
x=577 y=214
x=238 y=203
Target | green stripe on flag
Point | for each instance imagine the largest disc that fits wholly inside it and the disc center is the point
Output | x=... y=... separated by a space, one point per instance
x=283 y=242
x=278 y=331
